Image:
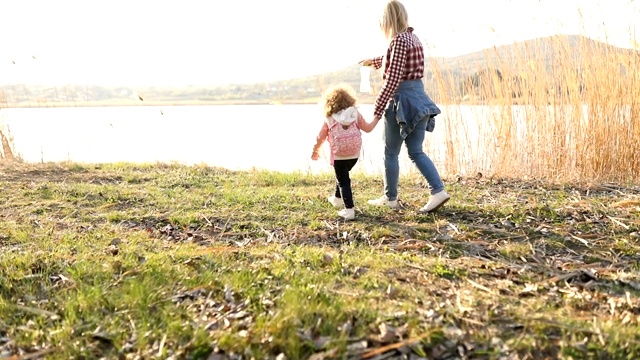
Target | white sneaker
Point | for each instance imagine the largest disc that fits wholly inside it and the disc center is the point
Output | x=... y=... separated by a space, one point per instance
x=383 y=201
x=347 y=214
x=336 y=201
x=435 y=202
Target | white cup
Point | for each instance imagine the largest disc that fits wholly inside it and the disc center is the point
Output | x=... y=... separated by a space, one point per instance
x=365 y=76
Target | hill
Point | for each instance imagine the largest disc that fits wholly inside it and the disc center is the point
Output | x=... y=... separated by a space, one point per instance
x=553 y=57
x=445 y=78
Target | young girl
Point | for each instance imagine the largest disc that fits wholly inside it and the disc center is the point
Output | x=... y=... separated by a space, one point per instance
x=342 y=127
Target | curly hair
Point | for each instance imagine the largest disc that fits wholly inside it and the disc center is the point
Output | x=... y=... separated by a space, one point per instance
x=338 y=97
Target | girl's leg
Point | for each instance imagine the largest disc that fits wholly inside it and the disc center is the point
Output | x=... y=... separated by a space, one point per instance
x=414 y=147
x=342 y=168
x=392 y=145
x=336 y=198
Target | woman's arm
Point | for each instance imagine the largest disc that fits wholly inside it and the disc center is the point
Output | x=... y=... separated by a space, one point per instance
x=396 y=66
x=377 y=62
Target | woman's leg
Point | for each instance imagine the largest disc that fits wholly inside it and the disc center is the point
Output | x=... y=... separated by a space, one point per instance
x=424 y=164
x=392 y=145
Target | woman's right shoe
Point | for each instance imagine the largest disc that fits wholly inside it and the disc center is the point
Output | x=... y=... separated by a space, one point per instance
x=383 y=201
x=435 y=202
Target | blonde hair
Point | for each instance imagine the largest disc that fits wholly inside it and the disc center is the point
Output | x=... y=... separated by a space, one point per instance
x=394 y=19
x=337 y=98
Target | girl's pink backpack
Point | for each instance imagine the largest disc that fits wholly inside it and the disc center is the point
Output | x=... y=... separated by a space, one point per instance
x=345 y=140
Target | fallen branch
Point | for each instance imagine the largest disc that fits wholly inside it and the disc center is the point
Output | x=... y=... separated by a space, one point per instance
x=37 y=311
x=33 y=355
x=416 y=266
x=345 y=293
x=161 y=347
x=217 y=249
x=585 y=242
x=481 y=287
x=618 y=222
x=224 y=228
x=415 y=246
x=395 y=346
x=563 y=277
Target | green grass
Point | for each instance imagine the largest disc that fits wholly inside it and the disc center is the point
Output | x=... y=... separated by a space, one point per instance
x=169 y=261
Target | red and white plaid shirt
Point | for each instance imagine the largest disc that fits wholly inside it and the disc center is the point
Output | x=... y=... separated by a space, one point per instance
x=404 y=61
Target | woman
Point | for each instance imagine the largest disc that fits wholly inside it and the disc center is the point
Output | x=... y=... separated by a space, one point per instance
x=408 y=110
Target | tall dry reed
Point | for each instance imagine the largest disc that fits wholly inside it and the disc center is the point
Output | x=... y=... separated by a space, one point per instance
x=6 y=140
x=564 y=108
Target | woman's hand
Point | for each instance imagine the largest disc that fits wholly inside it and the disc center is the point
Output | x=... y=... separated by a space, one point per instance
x=315 y=155
x=366 y=62
x=376 y=120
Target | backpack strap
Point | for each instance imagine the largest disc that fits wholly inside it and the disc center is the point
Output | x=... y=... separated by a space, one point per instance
x=331 y=123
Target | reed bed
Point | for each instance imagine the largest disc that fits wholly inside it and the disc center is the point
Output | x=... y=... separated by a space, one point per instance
x=564 y=108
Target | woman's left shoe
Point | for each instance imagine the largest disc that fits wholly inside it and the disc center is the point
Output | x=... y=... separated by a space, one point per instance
x=347 y=214
x=435 y=202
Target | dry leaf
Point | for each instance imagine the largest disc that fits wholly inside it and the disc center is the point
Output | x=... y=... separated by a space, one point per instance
x=357 y=347
x=387 y=333
x=392 y=291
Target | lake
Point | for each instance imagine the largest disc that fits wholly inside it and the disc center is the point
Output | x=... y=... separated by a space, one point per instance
x=237 y=137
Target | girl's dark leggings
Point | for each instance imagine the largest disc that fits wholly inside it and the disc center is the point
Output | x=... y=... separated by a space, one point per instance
x=343 y=181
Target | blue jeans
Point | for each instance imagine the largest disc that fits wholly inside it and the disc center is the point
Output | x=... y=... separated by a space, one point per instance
x=392 y=145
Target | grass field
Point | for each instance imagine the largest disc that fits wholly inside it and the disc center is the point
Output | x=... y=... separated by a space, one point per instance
x=167 y=261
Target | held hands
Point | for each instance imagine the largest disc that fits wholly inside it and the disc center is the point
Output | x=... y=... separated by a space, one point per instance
x=376 y=120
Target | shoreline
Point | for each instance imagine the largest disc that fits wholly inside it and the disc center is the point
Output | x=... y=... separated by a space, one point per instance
x=127 y=102
x=150 y=103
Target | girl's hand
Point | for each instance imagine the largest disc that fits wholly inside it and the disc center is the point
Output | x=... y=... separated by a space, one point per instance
x=315 y=155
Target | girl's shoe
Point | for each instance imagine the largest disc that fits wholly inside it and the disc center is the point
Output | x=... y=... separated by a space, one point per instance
x=347 y=214
x=336 y=201
x=435 y=202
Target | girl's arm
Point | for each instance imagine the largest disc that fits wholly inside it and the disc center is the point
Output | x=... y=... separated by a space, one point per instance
x=320 y=139
x=367 y=126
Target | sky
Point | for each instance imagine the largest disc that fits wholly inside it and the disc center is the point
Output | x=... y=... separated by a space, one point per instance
x=214 y=42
